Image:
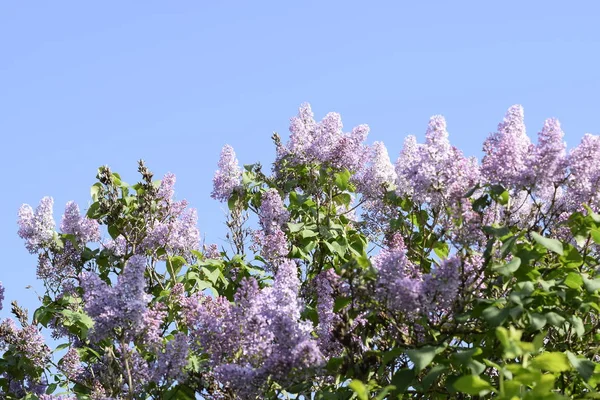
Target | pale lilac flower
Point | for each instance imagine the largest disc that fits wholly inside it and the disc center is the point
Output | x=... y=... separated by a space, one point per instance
x=379 y=174
x=70 y=364
x=261 y=336
x=122 y=306
x=547 y=166
x=272 y=213
x=211 y=252
x=171 y=363
x=585 y=172
x=324 y=142
x=1 y=295
x=440 y=286
x=507 y=151
x=399 y=282
x=435 y=172
x=84 y=229
x=326 y=284
x=228 y=176
x=37 y=228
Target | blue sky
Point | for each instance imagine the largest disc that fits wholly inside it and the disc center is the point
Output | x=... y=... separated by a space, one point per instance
x=84 y=84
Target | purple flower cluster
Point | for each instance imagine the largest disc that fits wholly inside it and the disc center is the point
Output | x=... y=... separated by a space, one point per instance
x=435 y=172
x=375 y=178
x=326 y=284
x=1 y=295
x=259 y=337
x=324 y=142
x=177 y=234
x=404 y=288
x=228 y=176
x=27 y=341
x=272 y=215
x=70 y=364
x=120 y=308
x=82 y=228
x=507 y=151
x=37 y=228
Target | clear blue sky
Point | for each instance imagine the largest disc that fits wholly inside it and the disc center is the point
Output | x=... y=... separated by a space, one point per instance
x=89 y=83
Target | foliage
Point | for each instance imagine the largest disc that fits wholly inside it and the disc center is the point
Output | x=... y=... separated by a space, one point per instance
x=434 y=278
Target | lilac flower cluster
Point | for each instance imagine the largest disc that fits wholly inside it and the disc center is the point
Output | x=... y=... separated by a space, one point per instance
x=27 y=341
x=228 y=176
x=70 y=364
x=119 y=308
x=434 y=172
x=1 y=295
x=259 y=337
x=178 y=234
x=326 y=284
x=272 y=216
x=404 y=288
x=507 y=150
x=324 y=142
x=37 y=228
x=55 y=262
x=374 y=180
x=82 y=228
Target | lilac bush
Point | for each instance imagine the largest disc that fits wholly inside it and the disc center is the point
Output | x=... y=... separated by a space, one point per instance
x=432 y=277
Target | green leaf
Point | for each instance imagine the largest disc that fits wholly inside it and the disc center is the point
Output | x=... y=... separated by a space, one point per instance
x=441 y=249
x=577 y=326
x=402 y=379
x=509 y=268
x=293 y=227
x=584 y=367
x=307 y=233
x=551 y=361
x=591 y=285
x=573 y=280
x=465 y=356
x=551 y=244
x=422 y=357
x=341 y=302
x=537 y=321
x=432 y=375
x=472 y=385
x=342 y=178
x=95 y=190
x=360 y=389
x=555 y=319
x=495 y=316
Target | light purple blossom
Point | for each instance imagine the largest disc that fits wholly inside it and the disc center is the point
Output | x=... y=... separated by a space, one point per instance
x=37 y=228
x=1 y=295
x=70 y=364
x=272 y=213
x=324 y=142
x=171 y=363
x=435 y=172
x=121 y=307
x=84 y=229
x=585 y=172
x=379 y=174
x=548 y=163
x=228 y=176
x=326 y=284
x=507 y=151
x=258 y=337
